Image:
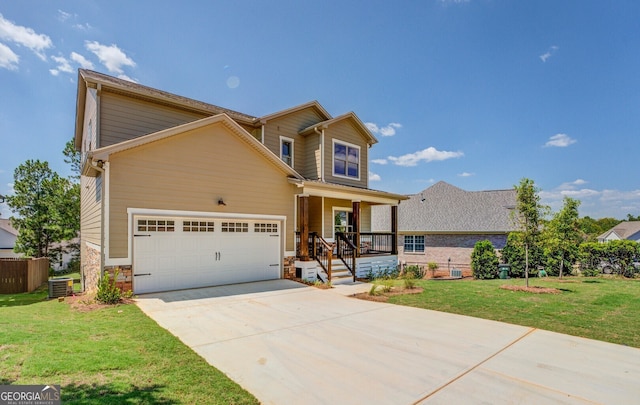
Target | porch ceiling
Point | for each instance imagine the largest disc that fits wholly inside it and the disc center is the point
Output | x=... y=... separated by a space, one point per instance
x=320 y=189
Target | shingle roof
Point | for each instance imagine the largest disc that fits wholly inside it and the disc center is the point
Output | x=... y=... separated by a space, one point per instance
x=443 y=208
x=624 y=230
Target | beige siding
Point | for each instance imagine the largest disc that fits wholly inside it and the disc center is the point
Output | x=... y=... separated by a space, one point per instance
x=288 y=126
x=90 y=209
x=89 y=132
x=311 y=165
x=123 y=118
x=191 y=171
x=346 y=132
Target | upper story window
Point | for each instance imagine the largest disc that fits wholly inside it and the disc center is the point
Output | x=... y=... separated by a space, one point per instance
x=346 y=160
x=286 y=150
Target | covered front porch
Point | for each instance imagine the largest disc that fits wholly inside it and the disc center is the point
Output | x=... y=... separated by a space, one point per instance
x=334 y=236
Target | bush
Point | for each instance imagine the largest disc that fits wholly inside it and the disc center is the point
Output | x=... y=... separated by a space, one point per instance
x=108 y=293
x=415 y=271
x=590 y=272
x=409 y=280
x=484 y=261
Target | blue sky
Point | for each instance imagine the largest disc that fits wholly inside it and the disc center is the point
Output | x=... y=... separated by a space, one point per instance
x=477 y=93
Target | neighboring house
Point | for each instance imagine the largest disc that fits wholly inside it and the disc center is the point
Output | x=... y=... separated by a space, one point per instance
x=442 y=224
x=629 y=230
x=177 y=193
x=8 y=237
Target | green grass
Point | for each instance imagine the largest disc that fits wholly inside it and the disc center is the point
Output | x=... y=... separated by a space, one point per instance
x=606 y=309
x=113 y=355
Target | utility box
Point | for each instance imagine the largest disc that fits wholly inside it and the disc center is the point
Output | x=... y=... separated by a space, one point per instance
x=60 y=287
x=503 y=271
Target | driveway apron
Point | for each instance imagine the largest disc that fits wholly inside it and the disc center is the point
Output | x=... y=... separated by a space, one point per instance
x=288 y=343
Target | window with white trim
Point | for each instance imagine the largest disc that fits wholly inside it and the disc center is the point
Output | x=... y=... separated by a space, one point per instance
x=156 y=225
x=235 y=227
x=286 y=150
x=414 y=243
x=346 y=160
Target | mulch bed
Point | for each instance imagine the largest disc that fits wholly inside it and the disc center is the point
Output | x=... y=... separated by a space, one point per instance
x=384 y=296
x=87 y=302
x=531 y=289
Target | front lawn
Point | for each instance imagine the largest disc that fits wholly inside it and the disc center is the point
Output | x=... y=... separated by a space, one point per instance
x=605 y=309
x=112 y=355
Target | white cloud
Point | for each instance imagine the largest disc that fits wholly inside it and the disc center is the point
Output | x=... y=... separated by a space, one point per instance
x=549 y=53
x=426 y=155
x=63 y=15
x=82 y=61
x=110 y=56
x=560 y=141
x=125 y=77
x=374 y=177
x=25 y=36
x=466 y=174
x=594 y=203
x=387 y=130
x=63 y=65
x=8 y=59
x=379 y=161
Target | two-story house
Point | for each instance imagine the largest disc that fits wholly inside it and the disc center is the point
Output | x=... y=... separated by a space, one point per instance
x=177 y=193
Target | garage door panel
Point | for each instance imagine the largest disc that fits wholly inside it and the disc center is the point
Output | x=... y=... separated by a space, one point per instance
x=199 y=253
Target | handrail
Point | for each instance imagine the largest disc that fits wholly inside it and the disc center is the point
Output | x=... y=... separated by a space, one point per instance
x=347 y=252
x=373 y=243
x=323 y=253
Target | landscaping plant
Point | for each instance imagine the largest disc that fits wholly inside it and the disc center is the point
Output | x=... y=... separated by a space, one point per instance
x=484 y=261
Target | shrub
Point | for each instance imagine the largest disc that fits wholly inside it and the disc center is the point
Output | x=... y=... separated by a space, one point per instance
x=484 y=261
x=108 y=292
x=415 y=271
x=409 y=280
x=590 y=272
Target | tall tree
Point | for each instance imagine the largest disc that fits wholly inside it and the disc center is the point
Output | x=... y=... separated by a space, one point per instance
x=45 y=204
x=562 y=234
x=72 y=157
x=528 y=216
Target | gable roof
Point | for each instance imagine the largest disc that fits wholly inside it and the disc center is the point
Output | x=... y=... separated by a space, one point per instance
x=314 y=105
x=5 y=225
x=91 y=79
x=104 y=153
x=350 y=116
x=624 y=230
x=443 y=208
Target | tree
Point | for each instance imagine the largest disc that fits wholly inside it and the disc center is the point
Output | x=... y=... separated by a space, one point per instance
x=72 y=157
x=513 y=253
x=46 y=205
x=562 y=235
x=484 y=261
x=528 y=215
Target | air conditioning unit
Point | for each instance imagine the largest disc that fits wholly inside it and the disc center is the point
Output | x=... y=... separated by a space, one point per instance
x=60 y=287
x=455 y=273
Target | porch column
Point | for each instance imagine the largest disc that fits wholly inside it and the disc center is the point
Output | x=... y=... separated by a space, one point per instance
x=394 y=229
x=355 y=213
x=303 y=226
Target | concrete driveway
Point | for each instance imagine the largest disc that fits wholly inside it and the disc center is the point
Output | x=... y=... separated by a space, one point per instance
x=287 y=343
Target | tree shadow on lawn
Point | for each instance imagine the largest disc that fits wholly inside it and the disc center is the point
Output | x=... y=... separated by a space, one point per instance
x=108 y=394
x=19 y=299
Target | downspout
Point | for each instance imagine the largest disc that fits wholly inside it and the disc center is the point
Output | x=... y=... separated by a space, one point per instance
x=99 y=166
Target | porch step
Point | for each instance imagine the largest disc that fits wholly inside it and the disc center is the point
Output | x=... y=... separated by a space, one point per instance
x=340 y=274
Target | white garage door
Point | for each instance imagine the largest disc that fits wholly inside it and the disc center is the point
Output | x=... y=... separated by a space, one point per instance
x=178 y=253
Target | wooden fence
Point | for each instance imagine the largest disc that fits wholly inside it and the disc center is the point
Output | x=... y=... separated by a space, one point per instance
x=22 y=275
